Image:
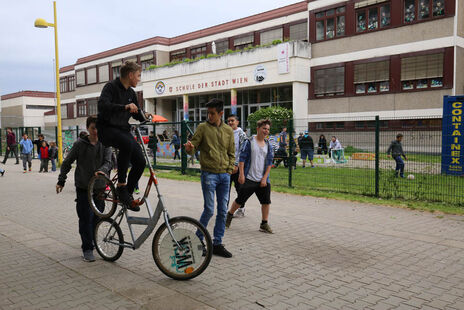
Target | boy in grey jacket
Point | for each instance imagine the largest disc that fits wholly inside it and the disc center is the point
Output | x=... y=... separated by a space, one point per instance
x=92 y=158
x=396 y=150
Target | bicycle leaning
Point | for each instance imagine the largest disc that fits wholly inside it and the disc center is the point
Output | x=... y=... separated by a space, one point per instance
x=177 y=247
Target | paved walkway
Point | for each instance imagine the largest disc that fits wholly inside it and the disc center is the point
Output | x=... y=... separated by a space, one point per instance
x=325 y=254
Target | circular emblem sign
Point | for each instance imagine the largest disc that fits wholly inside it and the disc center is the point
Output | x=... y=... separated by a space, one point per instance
x=160 y=87
x=260 y=73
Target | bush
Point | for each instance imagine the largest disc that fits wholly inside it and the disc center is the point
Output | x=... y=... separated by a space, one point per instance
x=279 y=117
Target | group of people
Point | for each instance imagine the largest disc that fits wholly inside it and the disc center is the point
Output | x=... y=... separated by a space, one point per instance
x=45 y=152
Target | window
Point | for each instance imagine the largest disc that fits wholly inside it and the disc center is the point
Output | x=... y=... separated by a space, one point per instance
x=91 y=75
x=299 y=31
x=243 y=42
x=178 y=55
x=329 y=82
x=269 y=36
x=197 y=52
x=80 y=78
x=92 y=106
x=72 y=82
x=116 y=68
x=330 y=24
x=103 y=73
x=418 y=10
x=340 y=125
x=373 y=17
x=81 y=108
x=329 y=125
x=422 y=72
x=64 y=111
x=63 y=84
x=146 y=61
x=222 y=46
x=359 y=125
x=372 y=77
x=319 y=126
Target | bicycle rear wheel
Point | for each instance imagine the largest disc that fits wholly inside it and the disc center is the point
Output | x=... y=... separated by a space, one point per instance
x=102 y=196
x=109 y=239
x=192 y=259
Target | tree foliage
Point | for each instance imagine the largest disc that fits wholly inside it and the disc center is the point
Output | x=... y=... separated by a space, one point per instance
x=279 y=117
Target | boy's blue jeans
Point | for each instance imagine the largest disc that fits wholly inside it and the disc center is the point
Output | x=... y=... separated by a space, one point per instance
x=212 y=183
x=399 y=166
x=53 y=164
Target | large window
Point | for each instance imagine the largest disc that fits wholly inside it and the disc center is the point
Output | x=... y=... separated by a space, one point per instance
x=197 y=52
x=329 y=82
x=63 y=84
x=72 y=82
x=80 y=78
x=103 y=73
x=92 y=75
x=147 y=60
x=330 y=24
x=415 y=10
x=116 y=68
x=422 y=72
x=269 y=36
x=92 y=106
x=222 y=46
x=299 y=31
x=243 y=42
x=372 y=78
x=373 y=17
x=64 y=111
x=178 y=55
x=81 y=108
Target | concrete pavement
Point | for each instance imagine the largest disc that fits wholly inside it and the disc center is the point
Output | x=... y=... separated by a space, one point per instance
x=325 y=254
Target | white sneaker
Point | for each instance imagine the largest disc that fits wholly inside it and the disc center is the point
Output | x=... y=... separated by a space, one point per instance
x=240 y=212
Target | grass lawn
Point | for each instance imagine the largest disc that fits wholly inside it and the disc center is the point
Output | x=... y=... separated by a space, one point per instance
x=426 y=192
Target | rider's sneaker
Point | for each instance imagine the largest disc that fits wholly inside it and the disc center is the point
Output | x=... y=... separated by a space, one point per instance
x=220 y=250
x=137 y=191
x=229 y=219
x=265 y=228
x=240 y=212
x=126 y=199
x=88 y=256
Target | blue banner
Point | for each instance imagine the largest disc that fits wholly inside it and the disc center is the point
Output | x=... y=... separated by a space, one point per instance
x=452 y=157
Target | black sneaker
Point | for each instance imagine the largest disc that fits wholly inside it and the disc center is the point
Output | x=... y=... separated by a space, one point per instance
x=229 y=219
x=220 y=250
x=126 y=199
x=3 y=172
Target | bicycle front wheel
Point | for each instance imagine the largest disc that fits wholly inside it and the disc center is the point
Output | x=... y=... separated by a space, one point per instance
x=194 y=255
x=102 y=196
x=108 y=239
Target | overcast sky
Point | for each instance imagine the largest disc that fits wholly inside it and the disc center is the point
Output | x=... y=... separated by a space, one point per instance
x=86 y=27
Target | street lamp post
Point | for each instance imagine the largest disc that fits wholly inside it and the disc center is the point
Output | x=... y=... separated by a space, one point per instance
x=41 y=23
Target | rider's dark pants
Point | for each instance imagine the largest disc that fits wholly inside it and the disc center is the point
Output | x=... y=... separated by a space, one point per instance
x=129 y=152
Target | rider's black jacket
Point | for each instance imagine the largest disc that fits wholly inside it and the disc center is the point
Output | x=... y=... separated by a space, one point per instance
x=111 y=106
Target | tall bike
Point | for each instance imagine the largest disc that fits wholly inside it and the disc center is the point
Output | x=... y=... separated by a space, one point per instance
x=178 y=250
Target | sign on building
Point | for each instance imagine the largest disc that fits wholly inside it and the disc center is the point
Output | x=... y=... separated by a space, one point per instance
x=452 y=158
x=283 y=61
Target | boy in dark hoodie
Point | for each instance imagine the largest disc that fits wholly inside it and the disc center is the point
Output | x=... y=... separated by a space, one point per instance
x=396 y=150
x=92 y=158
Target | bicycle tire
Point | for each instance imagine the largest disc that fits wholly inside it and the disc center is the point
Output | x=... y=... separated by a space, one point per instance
x=102 y=196
x=103 y=237
x=178 y=265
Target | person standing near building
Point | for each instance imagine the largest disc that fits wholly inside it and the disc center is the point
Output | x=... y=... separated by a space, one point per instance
x=176 y=142
x=254 y=168
x=215 y=140
x=53 y=154
x=306 y=145
x=92 y=158
x=322 y=145
x=38 y=143
x=334 y=145
x=396 y=151
x=11 y=145
x=44 y=157
x=283 y=138
x=27 y=148
x=239 y=140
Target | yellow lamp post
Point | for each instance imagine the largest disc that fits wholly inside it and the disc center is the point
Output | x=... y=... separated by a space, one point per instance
x=41 y=23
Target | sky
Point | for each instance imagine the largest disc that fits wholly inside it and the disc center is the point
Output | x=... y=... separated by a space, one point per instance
x=87 y=27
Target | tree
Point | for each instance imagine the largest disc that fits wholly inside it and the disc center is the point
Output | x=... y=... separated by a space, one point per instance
x=279 y=117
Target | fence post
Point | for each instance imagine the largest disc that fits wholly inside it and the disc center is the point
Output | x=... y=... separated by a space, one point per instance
x=156 y=146
x=183 y=141
x=56 y=135
x=377 y=155
x=1 y=146
x=290 y=153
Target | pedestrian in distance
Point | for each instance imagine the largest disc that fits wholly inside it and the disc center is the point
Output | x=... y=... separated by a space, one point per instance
x=283 y=137
x=53 y=154
x=11 y=145
x=92 y=158
x=27 y=147
x=38 y=143
x=306 y=145
x=239 y=140
x=215 y=140
x=44 y=157
x=254 y=168
x=176 y=142
x=322 y=145
x=334 y=145
x=116 y=105
x=396 y=151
